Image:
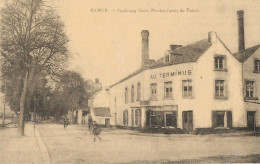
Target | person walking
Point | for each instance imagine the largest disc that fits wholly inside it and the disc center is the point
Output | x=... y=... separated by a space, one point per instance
x=90 y=123
x=65 y=121
x=96 y=131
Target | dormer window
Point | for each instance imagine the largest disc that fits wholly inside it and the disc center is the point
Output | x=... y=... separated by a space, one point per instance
x=167 y=57
x=220 y=63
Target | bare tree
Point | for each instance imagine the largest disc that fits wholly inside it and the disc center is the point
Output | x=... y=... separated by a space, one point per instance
x=32 y=41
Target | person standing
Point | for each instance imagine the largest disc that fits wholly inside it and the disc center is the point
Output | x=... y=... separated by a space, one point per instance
x=96 y=131
x=90 y=123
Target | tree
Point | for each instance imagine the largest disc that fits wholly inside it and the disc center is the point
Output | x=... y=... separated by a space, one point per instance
x=33 y=41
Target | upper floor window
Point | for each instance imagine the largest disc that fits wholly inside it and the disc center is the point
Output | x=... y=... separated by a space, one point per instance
x=132 y=93
x=168 y=89
x=153 y=91
x=257 y=66
x=219 y=62
x=115 y=102
x=220 y=91
x=138 y=96
x=250 y=90
x=126 y=95
x=187 y=88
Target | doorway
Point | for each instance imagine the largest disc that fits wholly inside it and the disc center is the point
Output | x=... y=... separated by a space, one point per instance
x=251 y=120
x=187 y=121
x=107 y=123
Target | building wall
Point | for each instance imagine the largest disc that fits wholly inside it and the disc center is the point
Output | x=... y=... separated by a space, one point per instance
x=248 y=74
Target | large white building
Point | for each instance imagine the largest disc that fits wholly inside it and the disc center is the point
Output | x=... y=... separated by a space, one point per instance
x=199 y=87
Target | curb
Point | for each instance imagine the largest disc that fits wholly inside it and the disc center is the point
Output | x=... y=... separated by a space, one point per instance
x=44 y=151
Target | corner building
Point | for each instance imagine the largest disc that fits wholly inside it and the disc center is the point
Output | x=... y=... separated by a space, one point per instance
x=198 y=87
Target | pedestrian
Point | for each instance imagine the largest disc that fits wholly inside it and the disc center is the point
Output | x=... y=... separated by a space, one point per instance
x=96 y=131
x=65 y=121
x=90 y=123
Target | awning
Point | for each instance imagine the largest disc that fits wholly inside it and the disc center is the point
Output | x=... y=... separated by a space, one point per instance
x=102 y=111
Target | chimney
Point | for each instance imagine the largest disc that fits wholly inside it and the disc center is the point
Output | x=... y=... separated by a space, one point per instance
x=212 y=37
x=145 y=47
x=241 y=37
x=174 y=46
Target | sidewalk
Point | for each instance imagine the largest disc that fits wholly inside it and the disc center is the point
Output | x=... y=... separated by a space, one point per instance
x=27 y=149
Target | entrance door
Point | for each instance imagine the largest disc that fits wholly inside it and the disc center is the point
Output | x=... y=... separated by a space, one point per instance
x=251 y=120
x=187 y=121
x=107 y=123
x=132 y=118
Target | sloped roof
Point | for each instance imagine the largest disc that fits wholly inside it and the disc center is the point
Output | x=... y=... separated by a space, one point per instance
x=102 y=111
x=244 y=55
x=188 y=53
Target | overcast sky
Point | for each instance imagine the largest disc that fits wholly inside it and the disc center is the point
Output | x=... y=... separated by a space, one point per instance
x=108 y=45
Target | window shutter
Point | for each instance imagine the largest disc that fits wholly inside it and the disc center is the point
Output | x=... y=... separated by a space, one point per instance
x=229 y=119
x=213 y=119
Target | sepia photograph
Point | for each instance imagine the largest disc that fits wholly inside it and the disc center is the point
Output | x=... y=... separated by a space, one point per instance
x=137 y=82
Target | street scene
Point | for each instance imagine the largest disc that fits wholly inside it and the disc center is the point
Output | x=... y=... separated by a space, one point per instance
x=129 y=82
x=75 y=145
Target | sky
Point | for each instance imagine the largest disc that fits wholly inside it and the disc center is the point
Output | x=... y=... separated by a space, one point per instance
x=107 y=45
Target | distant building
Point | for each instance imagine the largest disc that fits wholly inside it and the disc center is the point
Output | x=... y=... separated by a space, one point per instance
x=199 y=87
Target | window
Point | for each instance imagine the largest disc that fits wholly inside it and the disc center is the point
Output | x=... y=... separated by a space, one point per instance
x=168 y=89
x=132 y=93
x=221 y=119
x=219 y=62
x=125 y=117
x=153 y=91
x=138 y=117
x=126 y=95
x=187 y=88
x=220 y=89
x=153 y=120
x=250 y=91
x=138 y=92
x=167 y=58
x=171 y=119
x=257 y=66
x=115 y=102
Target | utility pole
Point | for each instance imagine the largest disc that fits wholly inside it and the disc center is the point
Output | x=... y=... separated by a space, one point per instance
x=4 y=107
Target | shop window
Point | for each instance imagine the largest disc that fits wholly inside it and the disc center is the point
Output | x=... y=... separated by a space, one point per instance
x=125 y=117
x=219 y=62
x=220 y=92
x=168 y=89
x=257 y=66
x=187 y=88
x=171 y=119
x=138 y=92
x=250 y=91
x=153 y=120
x=222 y=119
x=153 y=91
x=126 y=95
x=132 y=93
x=138 y=117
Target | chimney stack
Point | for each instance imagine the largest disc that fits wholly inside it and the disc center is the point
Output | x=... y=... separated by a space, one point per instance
x=241 y=37
x=212 y=37
x=145 y=47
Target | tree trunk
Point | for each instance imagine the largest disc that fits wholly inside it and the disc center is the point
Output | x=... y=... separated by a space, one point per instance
x=22 y=105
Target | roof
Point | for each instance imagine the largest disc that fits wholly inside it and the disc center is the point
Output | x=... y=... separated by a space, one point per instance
x=185 y=54
x=102 y=111
x=244 y=55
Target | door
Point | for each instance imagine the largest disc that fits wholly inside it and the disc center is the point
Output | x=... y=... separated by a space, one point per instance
x=187 y=121
x=251 y=120
x=132 y=118
x=107 y=123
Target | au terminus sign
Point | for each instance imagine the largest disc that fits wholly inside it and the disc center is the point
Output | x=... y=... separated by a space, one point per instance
x=170 y=74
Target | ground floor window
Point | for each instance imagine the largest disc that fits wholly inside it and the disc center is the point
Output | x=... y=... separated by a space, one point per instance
x=125 y=117
x=221 y=119
x=161 y=118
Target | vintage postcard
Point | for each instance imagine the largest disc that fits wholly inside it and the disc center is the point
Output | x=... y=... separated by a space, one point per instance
x=164 y=81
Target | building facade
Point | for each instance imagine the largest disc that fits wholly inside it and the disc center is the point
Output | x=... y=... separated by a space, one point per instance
x=197 y=87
